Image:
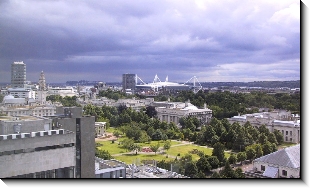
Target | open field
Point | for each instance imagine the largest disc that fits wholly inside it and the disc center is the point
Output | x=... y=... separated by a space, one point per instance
x=184 y=149
x=131 y=158
x=112 y=148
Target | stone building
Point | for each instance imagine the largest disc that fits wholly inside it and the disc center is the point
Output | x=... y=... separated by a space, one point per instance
x=173 y=111
x=288 y=124
x=284 y=163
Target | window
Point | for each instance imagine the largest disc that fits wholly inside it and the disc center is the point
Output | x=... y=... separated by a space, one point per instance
x=286 y=132
x=286 y=138
x=291 y=133
x=284 y=172
x=262 y=168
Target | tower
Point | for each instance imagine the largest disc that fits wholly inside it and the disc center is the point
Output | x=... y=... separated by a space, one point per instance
x=18 y=74
x=129 y=82
x=42 y=84
x=42 y=89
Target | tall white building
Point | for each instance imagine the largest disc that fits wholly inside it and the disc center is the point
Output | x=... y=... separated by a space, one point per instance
x=18 y=74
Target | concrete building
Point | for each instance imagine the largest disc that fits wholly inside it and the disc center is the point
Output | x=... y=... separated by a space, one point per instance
x=129 y=82
x=42 y=90
x=288 y=124
x=173 y=111
x=22 y=93
x=284 y=163
x=109 y=168
x=62 y=91
x=150 y=171
x=70 y=118
x=30 y=149
x=61 y=146
x=18 y=74
x=135 y=104
x=100 y=128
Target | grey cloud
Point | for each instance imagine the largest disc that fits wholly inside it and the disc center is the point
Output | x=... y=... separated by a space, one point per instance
x=175 y=38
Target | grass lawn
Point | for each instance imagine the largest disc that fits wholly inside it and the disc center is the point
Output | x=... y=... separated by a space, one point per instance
x=285 y=145
x=161 y=143
x=112 y=148
x=131 y=158
x=187 y=148
x=110 y=130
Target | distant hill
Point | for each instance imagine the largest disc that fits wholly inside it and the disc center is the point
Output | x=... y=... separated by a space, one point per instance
x=263 y=84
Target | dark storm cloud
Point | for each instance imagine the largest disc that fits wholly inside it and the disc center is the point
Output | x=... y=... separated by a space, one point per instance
x=100 y=40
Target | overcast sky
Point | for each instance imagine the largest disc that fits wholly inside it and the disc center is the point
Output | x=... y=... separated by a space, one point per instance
x=99 y=40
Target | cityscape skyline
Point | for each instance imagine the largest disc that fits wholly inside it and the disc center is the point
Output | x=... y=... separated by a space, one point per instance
x=94 y=40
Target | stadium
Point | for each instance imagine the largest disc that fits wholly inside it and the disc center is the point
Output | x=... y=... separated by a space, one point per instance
x=157 y=85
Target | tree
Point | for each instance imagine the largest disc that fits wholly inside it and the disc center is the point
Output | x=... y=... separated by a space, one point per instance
x=262 y=139
x=121 y=108
x=278 y=136
x=215 y=175
x=232 y=158
x=136 y=148
x=267 y=148
x=258 y=150
x=134 y=132
x=127 y=143
x=227 y=172
x=191 y=169
x=144 y=137
x=203 y=164
x=151 y=112
x=103 y=154
x=241 y=156
x=239 y=173
x=155 y=147
x=272 y=138
x=213 y=161
x=157 y=135
x=218 y=151
x=250 y=153
x=167 y=145
x=116 y=134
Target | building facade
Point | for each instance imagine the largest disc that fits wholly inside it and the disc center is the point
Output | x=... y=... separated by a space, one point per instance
x=71 y=118
x=31 y=149
x=129 y=82
x=174 y=111
x=18 y=74
x=288 y=124
x=284 y=163
x=60 y=146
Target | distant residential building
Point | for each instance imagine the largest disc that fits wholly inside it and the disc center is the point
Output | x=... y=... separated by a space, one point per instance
x=129 y=82
x=284 y=163
x=18 y=74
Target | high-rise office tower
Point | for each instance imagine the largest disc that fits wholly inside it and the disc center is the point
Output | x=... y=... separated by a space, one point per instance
x=129 y=82
x=18 y=74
